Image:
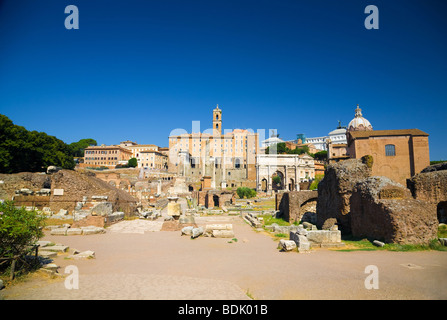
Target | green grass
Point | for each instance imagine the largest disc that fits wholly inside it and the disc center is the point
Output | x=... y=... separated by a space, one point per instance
x=268 y=219
x=352 y=244
x=281 y=235
x=442 y=231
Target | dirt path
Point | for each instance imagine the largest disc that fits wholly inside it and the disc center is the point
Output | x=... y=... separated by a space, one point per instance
x=165 y=265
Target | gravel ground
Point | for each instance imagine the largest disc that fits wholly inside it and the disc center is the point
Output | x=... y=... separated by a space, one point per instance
x=134 y=260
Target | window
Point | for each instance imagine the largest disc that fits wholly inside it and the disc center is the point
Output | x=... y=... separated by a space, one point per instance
x=390 y=150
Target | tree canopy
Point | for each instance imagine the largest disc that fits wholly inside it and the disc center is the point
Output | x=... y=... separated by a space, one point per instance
x=77 y=148
x=282 y=149
x=30 y=151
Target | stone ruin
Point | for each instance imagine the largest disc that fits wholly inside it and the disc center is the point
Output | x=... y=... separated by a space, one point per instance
x=291 y=204
x=385 y=210
x=68 y=194
x=378 y=208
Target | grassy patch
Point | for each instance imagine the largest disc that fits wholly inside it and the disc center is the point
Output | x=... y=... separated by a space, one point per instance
x=56 y=221
x=352 y=244
x=281 y=235
x=268 y=219
x=442 y=231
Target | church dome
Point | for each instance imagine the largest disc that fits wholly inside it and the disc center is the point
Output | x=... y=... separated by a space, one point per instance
x=359 y=123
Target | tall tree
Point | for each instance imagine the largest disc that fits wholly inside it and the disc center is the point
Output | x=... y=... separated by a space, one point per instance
x=22 y=150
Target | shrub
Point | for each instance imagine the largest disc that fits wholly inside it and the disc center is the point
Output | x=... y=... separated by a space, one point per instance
x=19 y=229
x=133 y=162
x=314 y=184
x=245 y=192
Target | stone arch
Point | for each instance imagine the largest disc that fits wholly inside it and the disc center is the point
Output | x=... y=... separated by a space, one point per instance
x=308 y=210
x=280 y=185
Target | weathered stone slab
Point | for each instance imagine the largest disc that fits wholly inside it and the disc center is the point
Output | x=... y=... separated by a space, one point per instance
x=300 y=240
x=57 y=248
x=92 y=230
x=44 y=243
x=324 y=236
x=187 y=231
x=59 y=231
x=223 y=233
x=83 y=255
x=227 y=226
x=102 y=209
x=74 y=231
x=196 y=232
x=287 y=245
x=47 y=254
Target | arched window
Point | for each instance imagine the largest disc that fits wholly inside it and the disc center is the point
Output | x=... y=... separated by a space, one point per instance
x=390 y=150
x=237 y=163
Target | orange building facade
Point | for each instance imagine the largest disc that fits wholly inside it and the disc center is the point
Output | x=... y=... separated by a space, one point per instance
x=397 y=154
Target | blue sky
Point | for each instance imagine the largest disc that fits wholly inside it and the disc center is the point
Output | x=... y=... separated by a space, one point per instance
x=139 y=69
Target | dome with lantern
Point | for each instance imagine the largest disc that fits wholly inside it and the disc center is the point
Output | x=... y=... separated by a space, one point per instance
x=359 y=123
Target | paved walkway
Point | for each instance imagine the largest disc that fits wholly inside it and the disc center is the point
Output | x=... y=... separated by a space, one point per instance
x=136 y=226
x=142 y=264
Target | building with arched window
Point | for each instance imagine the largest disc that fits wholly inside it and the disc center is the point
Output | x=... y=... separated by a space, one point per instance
x=397 y=154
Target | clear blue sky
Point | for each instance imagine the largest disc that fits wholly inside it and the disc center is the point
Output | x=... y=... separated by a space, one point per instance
x=139 y=69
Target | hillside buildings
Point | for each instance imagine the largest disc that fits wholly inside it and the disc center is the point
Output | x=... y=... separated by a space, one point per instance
x=148 y=156
x=105 y=156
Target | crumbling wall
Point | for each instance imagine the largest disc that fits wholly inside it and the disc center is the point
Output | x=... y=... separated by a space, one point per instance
x=382 y=209
x=335 y=190
x=76 y=187
x=16 y=181
x=431 y=186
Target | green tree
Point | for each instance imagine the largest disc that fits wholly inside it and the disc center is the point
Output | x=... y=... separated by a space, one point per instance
x=276 y=180
x=133 y=162
x=321 y=155
x=77 y=148
x=22 y=150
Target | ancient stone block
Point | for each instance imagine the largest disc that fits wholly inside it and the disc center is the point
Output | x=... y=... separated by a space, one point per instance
x=102 y=209
x=300 y=240
x=287 y=245
x=59 y=231
x=187 y=231
x=324 y=236
x=74 y=231
x=223 y=233
x=196 y=232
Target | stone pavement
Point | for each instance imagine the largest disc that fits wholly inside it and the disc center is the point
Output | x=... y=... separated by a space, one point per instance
x=136 y=226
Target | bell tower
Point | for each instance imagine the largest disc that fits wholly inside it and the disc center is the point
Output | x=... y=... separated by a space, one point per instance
x=217 y=121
